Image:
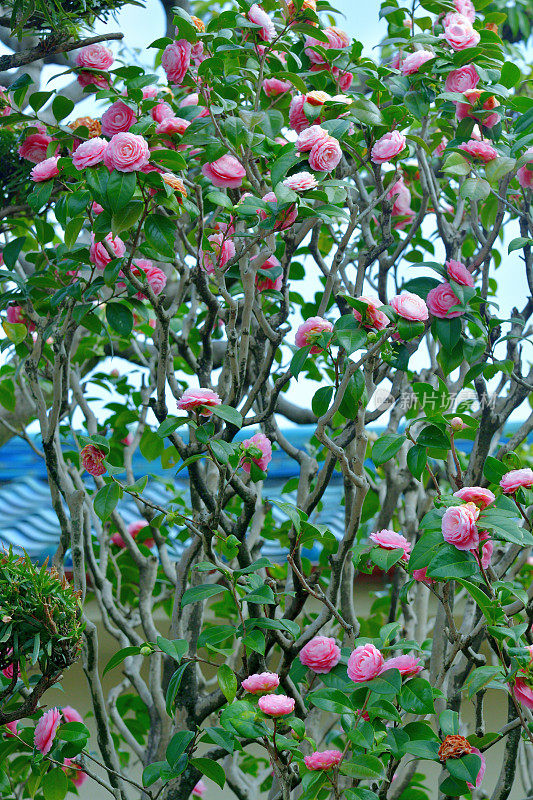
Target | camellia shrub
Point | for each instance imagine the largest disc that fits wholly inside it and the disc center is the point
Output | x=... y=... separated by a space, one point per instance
x=271 y=209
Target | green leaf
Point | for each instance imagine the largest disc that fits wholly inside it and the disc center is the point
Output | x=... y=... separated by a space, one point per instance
x=331 y=700
x=152 y=772
x=321 y=400
x=175 y=649
x=519 y=243
x=416 y=103
x=416 y=460
x=449 y=562
x=61 y=106
x=499 y=167
x=456 y=164
x=480 y=677
x=228 y=414
x=298 y=360
x=120 y=189
x=177 y=745
x=197 y=594
x=511 y=75
x=54 y=784
x=483 y=601
x=449 y=722
x=385 y=559
x=448 y=331
x=106 y=499
x=494 y=470
x=416 y=696
x=361 y=767
x=72 y=231
x=261 y=595
x=282 y=165
x=349 y=405
x=174 y=686
x=119 y=657
x=475 y=189
x=126 y=218
x=16 y=332
x=388 y=683
x=228 y=682
x=465 y=768
x=386 y=447
x=120 y=318
x=160 y=233
x=211 y=769
x=349 y=334
x=433 y=436
x=220 y=199
x=170 y=425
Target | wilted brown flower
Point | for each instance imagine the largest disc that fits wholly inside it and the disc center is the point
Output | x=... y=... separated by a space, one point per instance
x=92 y=125
x=175 y=182
x=198 y=24
x=454 y=746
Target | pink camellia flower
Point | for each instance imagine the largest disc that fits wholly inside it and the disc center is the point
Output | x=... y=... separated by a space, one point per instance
x=70 y=714
x=475 y=751
x=45 y=730
x=457 y=424
x=89 y=153
x=476 y=494
x=34 y=147
x=309 y=330
x=261 y=442
x=225 y=172
x=134 y=528
x=284 y=218
x=258 y=16
x=321 y=654
x=12 y=727
x=307 y=139
x=96 y=208
x=515 y=479
x=486 y=550
x=297 y=118
x=117 y=119
x=459 y=273
x=261 y=683
x=223 y=250
x=93 y=79
x=199 y=789
x=459 y=526
x=273 y=87
x=176 y=60
x=523 y=692
x=276 y=705
x=462 y=79
x=524 y=173
x=441 y=299
x=481 y=150
x=390 y=540
x=127 y=152
x=45 y=170
x=5 y=106
x=325 y=155
x=150 y=92
x=400 y=194
x=397 y=60
x=98 y=254
x=441 y=147
x=414 y=61
x=386 y=148
x=161 y=111
x=301 y=182
x=325 y=759
x=15 y=315
x=74 y=772
x=171 y=125
x=421 y=575
x=92 y=458
x=374 y=318
x=366 y=662
x=202 y=400
x=337 y=40
x=470 y=108
x=267 y=284
x=94 y=56
x=459 y=33
x=466 y=8
x=410 y=306
x=408 y=665
x=155 y=277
